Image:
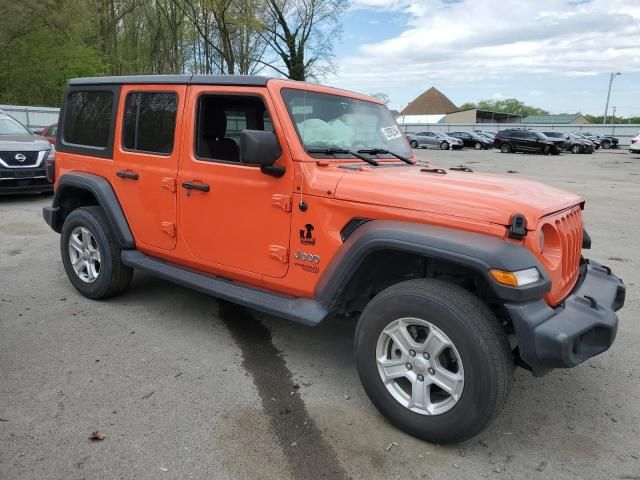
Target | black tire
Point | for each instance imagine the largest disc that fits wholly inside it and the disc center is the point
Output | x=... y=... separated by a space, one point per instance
x=477 y=146
x=576 y=148
x=477 y=336
x=606 y=144
x=413 y=144
x=444 y=146
x=546 y=150
x=506 y=148
x=113 y=276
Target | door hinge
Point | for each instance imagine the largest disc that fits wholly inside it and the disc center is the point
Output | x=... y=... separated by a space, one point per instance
x=279 y=253
x=169 y=183
x=169 y=228
x=282 y=201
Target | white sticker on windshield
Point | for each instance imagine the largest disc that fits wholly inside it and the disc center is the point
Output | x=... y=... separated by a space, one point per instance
x=391 y=132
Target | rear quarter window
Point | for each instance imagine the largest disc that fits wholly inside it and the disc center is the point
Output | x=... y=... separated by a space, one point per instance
x=88 y=120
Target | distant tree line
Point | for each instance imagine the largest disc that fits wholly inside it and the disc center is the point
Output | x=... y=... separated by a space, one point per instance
x=46 y=42
x=506 y=105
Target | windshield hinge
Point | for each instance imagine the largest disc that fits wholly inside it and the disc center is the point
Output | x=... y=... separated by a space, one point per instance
x=282 y=201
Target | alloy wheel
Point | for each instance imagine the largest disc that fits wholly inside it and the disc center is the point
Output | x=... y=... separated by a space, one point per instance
x=84 y=254
x=420 y=366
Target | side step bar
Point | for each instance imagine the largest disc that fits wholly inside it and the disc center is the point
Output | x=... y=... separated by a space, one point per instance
x=301 y=310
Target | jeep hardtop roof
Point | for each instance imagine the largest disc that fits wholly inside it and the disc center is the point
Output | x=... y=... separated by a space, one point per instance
x=245 y=80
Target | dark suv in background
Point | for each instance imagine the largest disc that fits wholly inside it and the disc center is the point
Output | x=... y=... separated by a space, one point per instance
x=23 y=158
x=527 y=141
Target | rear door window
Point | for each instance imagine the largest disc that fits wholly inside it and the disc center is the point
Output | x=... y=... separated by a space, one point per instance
x=149 y=122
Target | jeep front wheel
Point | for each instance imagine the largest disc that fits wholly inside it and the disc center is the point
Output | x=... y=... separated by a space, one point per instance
x=91 y=254
x=433 y=359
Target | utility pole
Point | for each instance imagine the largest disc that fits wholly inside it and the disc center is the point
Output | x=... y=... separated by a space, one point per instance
x=613 y=114
x=606 y=108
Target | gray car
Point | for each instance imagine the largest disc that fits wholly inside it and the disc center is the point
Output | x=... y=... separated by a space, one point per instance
x=23 y=158
x=434 y=139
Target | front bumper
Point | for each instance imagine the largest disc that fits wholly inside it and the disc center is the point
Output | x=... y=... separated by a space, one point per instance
x=23 y=180
x=582 y=327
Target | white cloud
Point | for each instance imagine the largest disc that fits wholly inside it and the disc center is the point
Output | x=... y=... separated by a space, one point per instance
x=485 y=40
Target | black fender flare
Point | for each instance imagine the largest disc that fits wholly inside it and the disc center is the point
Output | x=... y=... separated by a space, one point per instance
x=475 y=251
x=103 y=192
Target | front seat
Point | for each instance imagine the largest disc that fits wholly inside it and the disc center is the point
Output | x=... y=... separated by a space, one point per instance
x=214 y=143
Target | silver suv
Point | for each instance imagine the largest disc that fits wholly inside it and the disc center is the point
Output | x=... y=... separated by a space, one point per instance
x=23 y=158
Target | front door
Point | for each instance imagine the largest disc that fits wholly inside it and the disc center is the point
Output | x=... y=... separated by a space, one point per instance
x=146 y=154
x=232 y=214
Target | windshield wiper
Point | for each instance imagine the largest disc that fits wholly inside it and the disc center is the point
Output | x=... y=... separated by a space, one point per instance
x=376 y=151
x=340 y=151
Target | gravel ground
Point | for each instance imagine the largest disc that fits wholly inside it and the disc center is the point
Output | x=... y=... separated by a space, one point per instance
x=184 y=386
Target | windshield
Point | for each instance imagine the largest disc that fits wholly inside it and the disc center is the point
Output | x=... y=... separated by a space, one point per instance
x=541 y=135
x=325 y=121
x=9 y=126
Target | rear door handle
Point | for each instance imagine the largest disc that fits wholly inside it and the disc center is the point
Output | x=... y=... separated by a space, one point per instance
x=127 y=174
x=203 y=187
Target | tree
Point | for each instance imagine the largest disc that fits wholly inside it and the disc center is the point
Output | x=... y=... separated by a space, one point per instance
x=383 y=97
x=301 y=34
x=507 y=105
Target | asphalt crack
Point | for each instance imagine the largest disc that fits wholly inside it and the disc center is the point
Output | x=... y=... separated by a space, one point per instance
x=308 y=454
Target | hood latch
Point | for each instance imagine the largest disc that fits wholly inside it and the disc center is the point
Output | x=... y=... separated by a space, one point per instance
x=518 y=227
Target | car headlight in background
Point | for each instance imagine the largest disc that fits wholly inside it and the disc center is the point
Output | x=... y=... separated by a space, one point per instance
x=520 y=278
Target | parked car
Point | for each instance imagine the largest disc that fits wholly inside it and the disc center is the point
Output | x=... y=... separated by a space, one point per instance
x=434 y=139
x=527 y=141
x=50 y=133
x=557 y=138
x=483 y=133
x=473 y=140
x=23 y=158
x=634 y=147
x=454 y=277
x=606 y=141
x=571 y=143
x=596 y=141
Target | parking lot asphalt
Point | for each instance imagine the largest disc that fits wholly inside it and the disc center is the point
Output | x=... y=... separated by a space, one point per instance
x=183 y=386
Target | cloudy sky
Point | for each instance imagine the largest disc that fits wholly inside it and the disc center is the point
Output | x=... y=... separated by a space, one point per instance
x=556 y=54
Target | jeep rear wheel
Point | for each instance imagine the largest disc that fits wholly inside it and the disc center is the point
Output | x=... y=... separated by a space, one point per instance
x=433 y=359
x=91 y=254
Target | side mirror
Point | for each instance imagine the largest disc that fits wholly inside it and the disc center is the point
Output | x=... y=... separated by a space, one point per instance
x=258 y=147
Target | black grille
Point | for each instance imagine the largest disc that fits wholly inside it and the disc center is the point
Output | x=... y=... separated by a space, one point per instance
x=30 y=158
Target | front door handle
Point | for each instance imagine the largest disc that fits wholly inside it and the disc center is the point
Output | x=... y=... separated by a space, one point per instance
x=203 y=187
x=131 y=175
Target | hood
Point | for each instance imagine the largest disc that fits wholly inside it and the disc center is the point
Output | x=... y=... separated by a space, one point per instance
x=477 y=196
x=10 y=143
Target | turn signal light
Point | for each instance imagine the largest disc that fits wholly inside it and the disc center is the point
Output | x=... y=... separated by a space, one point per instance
x=515 y=279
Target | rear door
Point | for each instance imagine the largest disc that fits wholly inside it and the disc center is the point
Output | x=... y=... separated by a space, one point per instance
x=146 y=154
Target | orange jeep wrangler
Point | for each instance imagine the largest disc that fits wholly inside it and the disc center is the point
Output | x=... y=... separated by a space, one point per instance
x=304 y=201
